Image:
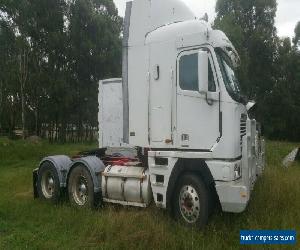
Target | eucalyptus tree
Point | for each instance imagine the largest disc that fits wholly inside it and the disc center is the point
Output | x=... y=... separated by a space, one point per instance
x=296 y=39
x=60 y=50
x=8 y=78
x=95 y=53
x=250 y=25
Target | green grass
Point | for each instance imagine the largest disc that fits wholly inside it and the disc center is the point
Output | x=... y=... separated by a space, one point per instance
x=33 y=224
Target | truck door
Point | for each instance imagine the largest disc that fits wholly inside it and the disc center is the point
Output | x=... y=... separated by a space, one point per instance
x=197 y=118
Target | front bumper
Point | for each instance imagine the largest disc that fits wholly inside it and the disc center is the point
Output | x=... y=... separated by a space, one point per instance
x=234 y=196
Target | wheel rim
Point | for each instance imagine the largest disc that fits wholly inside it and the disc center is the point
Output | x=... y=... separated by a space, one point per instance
x=48 y=184
x=80 y=190
x=189 y=204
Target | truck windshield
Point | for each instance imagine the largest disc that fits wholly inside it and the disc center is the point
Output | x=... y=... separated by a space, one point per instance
x=228 y=74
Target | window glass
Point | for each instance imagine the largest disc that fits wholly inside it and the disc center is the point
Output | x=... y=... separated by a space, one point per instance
x=211 y=79
x=188 y=74
x=228 y=74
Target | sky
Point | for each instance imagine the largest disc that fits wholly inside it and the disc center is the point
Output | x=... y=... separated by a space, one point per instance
x=288 y=13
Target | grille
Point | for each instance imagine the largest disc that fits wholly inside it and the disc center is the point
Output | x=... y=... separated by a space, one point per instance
x=243 y=127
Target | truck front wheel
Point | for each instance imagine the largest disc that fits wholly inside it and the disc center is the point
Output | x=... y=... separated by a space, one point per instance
x=190 y=201
x=81 y=187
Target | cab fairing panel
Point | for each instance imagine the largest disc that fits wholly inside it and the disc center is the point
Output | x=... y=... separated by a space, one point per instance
x=163 y=55
x=180 y=30
x=138 y=88
x=148 y=15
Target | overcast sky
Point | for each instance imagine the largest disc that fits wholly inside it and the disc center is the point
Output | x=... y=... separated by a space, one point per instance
x=288 y=12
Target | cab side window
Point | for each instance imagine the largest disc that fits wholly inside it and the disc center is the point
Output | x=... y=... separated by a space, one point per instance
x=188 y=74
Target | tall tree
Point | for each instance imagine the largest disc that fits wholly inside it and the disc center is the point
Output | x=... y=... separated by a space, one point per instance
x=283 y=105
x=296 y=39
x=249 y=24
x=95 y=53
x=23 y=75
x=55 y=53
x=8 y=77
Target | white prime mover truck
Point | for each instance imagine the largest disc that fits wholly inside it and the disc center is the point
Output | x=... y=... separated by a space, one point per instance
x=179 y=106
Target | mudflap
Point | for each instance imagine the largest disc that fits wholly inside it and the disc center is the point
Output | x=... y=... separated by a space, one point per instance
x=34 y=183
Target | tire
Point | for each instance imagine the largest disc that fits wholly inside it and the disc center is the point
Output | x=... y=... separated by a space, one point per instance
x=48 y=185
x=81 y=188
x=191 y=201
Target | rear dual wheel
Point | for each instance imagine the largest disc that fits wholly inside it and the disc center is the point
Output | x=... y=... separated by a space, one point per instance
x=81 y=188
x=48 y=185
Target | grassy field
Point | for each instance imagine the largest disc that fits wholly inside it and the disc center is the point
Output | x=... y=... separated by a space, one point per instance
x=32 y=224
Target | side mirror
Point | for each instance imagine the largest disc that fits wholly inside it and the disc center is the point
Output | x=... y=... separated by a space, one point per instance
x=250 y=105
x=203 y=72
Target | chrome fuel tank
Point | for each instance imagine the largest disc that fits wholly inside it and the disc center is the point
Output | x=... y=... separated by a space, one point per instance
x=126 y=185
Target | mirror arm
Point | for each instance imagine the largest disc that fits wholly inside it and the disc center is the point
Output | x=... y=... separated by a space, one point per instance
x=211 y=97
x=210 y=102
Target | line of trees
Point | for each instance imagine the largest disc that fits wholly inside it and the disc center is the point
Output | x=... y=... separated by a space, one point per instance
x=270 y=68
x=53 y=53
